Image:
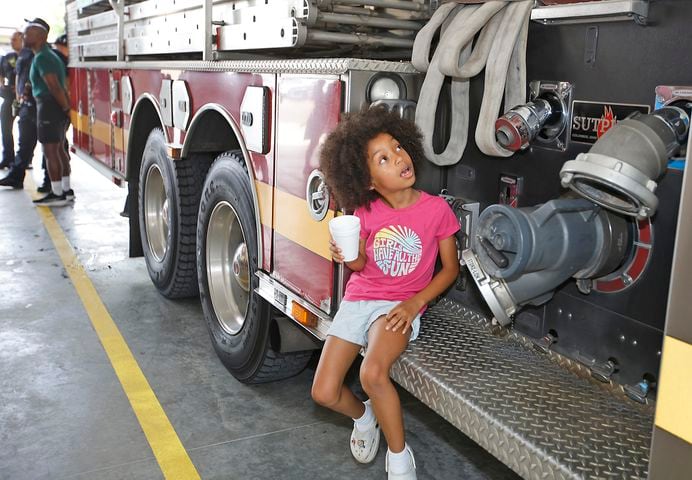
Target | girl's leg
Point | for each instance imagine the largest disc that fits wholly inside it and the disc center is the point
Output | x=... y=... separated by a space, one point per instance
x=328 y=387
x=384 y=347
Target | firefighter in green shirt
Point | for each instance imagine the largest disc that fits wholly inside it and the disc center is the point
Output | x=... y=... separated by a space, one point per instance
x=47 y=77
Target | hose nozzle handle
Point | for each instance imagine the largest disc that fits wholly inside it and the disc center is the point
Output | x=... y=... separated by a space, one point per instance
x=495 y=255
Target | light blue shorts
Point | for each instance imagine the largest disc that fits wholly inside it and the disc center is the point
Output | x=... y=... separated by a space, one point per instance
x=354 y=318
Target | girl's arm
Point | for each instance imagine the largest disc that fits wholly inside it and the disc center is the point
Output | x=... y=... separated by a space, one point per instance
x=403 y=314
x=356 y=265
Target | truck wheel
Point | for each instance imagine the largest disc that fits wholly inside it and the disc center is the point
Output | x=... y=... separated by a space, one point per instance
x=239 y=320
x=169 y=195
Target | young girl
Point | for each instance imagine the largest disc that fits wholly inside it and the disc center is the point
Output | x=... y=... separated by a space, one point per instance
x=368 y=161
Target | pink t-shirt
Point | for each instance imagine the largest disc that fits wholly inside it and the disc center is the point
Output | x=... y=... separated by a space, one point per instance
x=401 y=248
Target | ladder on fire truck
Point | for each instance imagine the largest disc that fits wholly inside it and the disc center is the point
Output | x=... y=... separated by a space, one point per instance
x=327 y=28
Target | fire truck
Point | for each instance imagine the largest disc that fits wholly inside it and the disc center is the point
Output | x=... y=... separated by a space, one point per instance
x=555 y=129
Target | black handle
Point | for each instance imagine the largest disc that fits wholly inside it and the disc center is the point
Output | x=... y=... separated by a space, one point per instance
x=495 y=255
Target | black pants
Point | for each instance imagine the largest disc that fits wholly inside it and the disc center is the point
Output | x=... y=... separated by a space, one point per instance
x=27 y=141
x=6 y=123
x=52 y=121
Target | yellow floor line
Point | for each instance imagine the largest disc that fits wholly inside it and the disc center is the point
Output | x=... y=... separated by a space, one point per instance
x=168 y=450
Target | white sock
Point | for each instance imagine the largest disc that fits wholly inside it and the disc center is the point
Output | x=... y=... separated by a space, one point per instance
x=56 y=187
x=66 y=183
x=400 y=462
x=365 y=422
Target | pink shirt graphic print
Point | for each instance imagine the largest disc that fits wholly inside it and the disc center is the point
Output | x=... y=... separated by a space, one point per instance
x=397 y=250
x=401 y=248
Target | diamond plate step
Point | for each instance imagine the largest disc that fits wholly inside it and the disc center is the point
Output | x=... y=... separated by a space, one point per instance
x=541 y=420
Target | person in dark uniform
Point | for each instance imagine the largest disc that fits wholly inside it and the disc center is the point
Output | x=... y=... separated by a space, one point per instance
x=48 y=83
x=8 y=76
x=26 y=123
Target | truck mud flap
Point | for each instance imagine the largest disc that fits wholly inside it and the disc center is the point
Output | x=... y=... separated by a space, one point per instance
x=541 y=420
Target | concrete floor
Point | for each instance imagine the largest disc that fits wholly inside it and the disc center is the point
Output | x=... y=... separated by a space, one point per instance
x=63 y=412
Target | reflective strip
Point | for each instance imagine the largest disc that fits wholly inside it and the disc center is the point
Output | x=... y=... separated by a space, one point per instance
x=165 y=444
x=673 y=412
x=299 y=226
x=100 y=130
x=264 y=200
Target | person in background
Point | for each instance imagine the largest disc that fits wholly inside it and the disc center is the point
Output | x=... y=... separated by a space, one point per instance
x=8 y=76
x=47 y=77
x=26 y=123
x=61 y=50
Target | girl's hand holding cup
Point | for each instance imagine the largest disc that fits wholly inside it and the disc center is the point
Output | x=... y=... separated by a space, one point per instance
x=345 y=232
x=335 y=251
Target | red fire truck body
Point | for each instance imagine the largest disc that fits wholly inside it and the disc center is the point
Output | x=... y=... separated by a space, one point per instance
x=302 y=108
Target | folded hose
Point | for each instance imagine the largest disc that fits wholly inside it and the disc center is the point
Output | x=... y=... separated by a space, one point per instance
x=500 y=48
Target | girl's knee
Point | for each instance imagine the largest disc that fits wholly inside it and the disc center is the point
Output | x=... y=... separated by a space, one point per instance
x=324 y=395
x=374 y=377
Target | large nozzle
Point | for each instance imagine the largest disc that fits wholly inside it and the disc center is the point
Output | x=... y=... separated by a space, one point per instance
x=543 y=117
x=621 y=169
x=519 y=256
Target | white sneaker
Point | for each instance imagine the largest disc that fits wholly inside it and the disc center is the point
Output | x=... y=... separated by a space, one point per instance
x=410 y=474
x=364 y=444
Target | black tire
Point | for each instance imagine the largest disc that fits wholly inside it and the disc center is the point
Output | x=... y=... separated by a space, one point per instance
x=169 y=194
x=238 y=319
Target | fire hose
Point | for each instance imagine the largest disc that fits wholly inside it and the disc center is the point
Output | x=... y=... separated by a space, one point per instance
x=500 y=48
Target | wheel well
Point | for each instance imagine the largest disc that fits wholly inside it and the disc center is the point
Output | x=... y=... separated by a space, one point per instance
x=144 y=119
x=210 y=133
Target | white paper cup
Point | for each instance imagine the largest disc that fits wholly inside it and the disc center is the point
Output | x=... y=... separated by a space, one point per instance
x=345 y=230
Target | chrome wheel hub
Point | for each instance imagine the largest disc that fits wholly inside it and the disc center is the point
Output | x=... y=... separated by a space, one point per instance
x=156 y=219
x=228 y=268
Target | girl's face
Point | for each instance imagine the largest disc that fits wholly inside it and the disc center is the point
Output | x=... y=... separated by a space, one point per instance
x=391 y=168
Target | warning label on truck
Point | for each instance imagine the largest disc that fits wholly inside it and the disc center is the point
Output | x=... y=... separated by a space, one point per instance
x=590 y=120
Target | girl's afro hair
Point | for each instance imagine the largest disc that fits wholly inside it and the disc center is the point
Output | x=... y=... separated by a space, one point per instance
x=343 y=157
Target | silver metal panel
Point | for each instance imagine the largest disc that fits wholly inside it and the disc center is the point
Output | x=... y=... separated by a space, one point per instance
x=155 y=45
x=328 y=66
x=107 y=35
x=166 y=101
x=100 y=20
x=272 y=33
x=541 y=420
x=258 y=11
x=162 y=8
x=98 y=49
x=253 y=121
x=168 y=26
x=601 y=11
x=127 y=94
x=181 y=104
